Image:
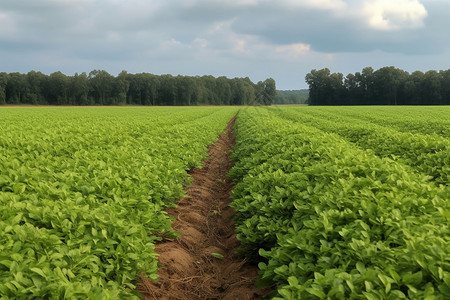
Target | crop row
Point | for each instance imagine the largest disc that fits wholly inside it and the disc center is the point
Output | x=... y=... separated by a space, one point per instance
x=421 y=119
x=82 y=193
x=428 y=154
x=333 y=221
x=410 y=119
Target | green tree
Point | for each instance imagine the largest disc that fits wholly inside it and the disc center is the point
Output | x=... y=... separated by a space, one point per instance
x=317 y=81
x=35 y=93
x=336 y=90
x=413 y=89
x=354 y=92
x=151 y=87
x=270 y=91
x=445 y=86
x=223 y=91
x=186 y=88
x=432 y=88
x=291 y=96
x=16 y=88
x=325 y=88
x=102 y=84
x=3 y=83
x=120 y=88
x=238 y=91
x=259 y=93
x=99 y=87
x=368 y=84
x=58 y=87
x=167 y=90
x=388 y=81
x=210 y=95
x=249 y=91
x=135 y=83
x=79 y=89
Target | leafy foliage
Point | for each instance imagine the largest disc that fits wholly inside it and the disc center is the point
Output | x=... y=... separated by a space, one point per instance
x=427 y=153
x=334 y=221
x=101 y=88
x=291 y=97
x=82 y=193
x=385 y=86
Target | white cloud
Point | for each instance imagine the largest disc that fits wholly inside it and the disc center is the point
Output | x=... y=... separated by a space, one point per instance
x=8 y=26
x=317 y=4
x=219 y=27
x=378 y=14
x=171 y=43
x=248 y=2
x=236 y=37
x=113 y=36
x=201 y=42
x=394 y=15
x=293 y=51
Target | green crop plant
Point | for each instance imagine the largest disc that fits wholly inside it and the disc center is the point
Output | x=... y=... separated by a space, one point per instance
x=83 y=192
x=330 y=220
x=426 y=153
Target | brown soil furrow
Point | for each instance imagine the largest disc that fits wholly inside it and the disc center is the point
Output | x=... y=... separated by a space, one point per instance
x=204 y=219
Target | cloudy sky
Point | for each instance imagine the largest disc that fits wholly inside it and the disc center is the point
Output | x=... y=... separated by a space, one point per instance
x=282 y=39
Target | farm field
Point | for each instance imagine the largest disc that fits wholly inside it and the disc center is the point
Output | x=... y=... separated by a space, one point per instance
x=82 y=193
x=343 y=207
x=331 y=202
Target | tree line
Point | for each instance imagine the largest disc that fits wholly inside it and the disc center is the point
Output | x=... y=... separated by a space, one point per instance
x=291 y=97
x=385 y=86
x=101 y=88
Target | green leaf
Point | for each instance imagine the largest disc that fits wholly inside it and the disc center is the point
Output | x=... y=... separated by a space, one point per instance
x=371 y=296
x=413 y=279
x=38 y=271
x=386 y=281
x=217 y=255
x=293 y=280
x=287 y=294
x=316 y=291
x=19 y=188
x=154 y=276
x=360 y=267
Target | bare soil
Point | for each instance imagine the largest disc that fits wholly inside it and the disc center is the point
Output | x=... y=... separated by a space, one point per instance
x=204 y=219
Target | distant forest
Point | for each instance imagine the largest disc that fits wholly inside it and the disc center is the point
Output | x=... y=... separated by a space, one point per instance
x=291 y=97
x=101 y=88
x=386 y=86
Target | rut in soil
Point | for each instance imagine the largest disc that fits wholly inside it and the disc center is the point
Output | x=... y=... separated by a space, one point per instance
x=192 y=267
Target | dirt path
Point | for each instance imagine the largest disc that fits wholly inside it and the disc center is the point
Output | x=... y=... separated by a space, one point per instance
x=189 y=271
